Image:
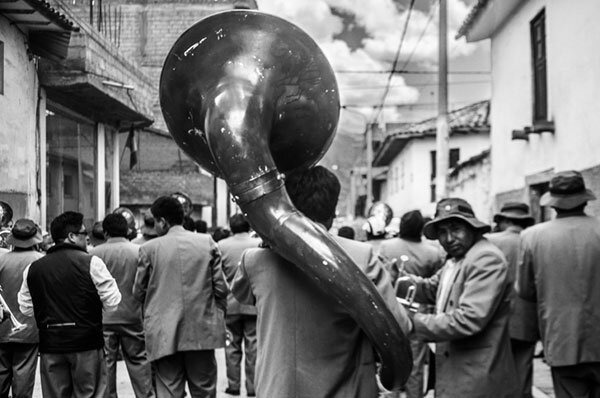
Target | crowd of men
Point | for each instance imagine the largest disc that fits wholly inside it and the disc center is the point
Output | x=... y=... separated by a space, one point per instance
x=167 y=299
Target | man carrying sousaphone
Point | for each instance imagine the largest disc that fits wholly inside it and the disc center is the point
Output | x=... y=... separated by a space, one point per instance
x=471 y=293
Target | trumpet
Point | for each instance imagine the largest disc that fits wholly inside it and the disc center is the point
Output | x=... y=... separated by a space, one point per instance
x=16 y=325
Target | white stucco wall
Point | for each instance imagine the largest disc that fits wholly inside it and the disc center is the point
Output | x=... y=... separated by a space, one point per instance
x=18 y=124
x=412 y=187
x=573 y=61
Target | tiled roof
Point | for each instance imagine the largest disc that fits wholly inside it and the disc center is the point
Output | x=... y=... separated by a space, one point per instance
x=471 y=119
x=473 y=14
x=37 y=15
x=142 y=188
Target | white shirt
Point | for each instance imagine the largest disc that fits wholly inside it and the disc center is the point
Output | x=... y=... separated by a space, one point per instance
x=105 y=285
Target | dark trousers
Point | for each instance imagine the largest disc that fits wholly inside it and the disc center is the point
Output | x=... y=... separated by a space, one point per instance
x=18 y=362
x=242 y=329
x=131 y=340
x=414 y=384
x=73 y=375
x=577 y=381
x=197 y=368
x=523 y=356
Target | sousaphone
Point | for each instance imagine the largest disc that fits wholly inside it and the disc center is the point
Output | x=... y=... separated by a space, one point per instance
x=250 y=97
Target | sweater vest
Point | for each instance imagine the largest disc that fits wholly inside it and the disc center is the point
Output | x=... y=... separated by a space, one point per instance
x=67 y=308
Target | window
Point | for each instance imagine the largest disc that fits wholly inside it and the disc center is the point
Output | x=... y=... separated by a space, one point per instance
x=454 y=157
x=1 y=68
x=538 y=54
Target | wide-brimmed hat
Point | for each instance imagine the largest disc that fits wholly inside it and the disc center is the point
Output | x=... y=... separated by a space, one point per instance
x=518 y=211
x=567 y=190
x=25 y=233
x=453 y=208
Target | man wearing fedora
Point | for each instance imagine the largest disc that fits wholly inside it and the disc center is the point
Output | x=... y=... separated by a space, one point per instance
x=472 y=297
x=513 y=218
x=558 y=268
x=18 y=349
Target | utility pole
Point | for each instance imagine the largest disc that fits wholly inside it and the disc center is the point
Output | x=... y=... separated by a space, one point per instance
x=369 y=138
x=442 y=135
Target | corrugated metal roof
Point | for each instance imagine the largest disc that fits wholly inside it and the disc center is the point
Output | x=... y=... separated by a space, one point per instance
x=471 y=119
x=49 y=30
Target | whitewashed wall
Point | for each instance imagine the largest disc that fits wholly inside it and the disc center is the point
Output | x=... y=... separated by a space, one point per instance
x=409 y=176
x=573 y=62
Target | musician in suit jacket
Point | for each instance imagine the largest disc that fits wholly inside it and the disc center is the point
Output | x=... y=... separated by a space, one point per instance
x=241 y=318
x=308 y=345
x=180 y=281
x=472 y=297
x=513 y=218
x=558 y=269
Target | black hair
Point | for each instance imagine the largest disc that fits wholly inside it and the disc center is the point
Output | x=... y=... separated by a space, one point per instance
x=411 y=226
x=314 y=192
x=189 y=224
x=168 y=208
x=6 y=214
x=98 y=230
x=115 y=225
x=238 y=223
x=220 y=233
x=62 y=225
x=346 y=232
x=201 y=226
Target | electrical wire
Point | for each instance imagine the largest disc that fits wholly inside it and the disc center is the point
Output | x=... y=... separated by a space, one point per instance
x=396 y=58
x=432 y=10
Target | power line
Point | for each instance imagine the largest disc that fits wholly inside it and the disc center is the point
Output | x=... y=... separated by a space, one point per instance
x=372 y=87
x=429 y=19
x=402 y=105
x=397 y=56
x=413 y=72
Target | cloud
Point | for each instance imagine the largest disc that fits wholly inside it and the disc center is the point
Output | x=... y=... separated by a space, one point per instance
x=383 y=21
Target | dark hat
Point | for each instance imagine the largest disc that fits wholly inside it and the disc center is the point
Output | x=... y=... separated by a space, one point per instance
x=453 y=208
x=567 y=190
x=515 y=211
x=25 y=233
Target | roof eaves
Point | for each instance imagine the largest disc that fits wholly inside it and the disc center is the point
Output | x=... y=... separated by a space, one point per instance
x=49 y=12
x=471 y=18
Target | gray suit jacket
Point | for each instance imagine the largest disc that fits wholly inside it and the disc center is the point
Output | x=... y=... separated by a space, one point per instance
x=559 y=268
x=522 y=324
x=180 y=281
x=231 y=253
x=473 y=356
x=121 y=258
x=308 y=346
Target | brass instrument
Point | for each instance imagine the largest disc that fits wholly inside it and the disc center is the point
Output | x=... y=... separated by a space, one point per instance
x=16 y=325
x=249 y=97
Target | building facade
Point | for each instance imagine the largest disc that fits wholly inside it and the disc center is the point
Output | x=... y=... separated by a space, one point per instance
x=408 y=153
x=64 y=100
x=545 y=87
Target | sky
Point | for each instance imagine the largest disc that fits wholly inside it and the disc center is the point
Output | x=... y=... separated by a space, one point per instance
x=364 y=35
x=359 y=35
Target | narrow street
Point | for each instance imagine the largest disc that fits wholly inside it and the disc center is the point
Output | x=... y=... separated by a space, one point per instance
x=542 y=381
